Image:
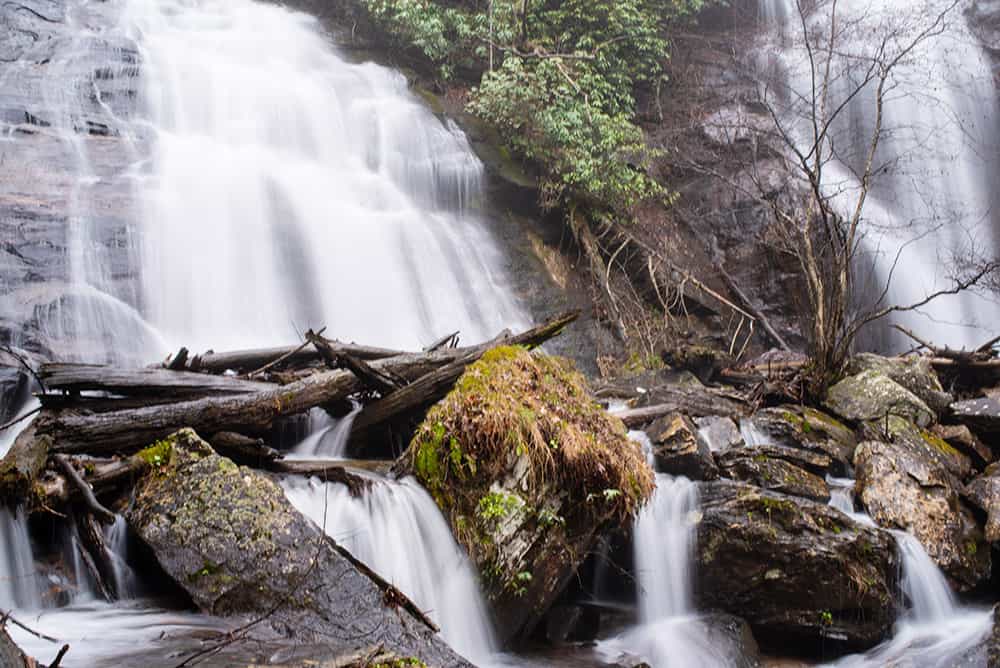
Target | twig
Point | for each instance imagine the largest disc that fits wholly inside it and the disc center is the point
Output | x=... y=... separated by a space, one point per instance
x=20 y=418
x=59 y=657
x=8 y=618
x=24 y=363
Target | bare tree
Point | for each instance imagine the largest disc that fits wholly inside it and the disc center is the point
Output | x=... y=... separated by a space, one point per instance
x=846 y=60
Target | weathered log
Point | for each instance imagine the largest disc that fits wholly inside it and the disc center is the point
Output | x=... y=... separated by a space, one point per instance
x=86 y=492
x=116 y=431
x=243 y=361
x=328 y=471
x=179 y=362
x=447 y=341
x=693 y=401
x=100 y=474
x=150 y=382
x=384 y=383
x=243 y=449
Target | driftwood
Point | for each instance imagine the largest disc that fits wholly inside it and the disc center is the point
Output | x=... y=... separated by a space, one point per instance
x=691 y=401
x=100 y=474
x=329 y=471
x=383 y=382
x=243 y=361
x=142 y=382
x=94 y=553
x=251 y=413
x=243 y=449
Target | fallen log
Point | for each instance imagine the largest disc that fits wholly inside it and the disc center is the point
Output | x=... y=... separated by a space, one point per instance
x=100 y=474
x=327 y=471
x=694 y=402
x=384 y=383
x=243 y=449
x=22 y=464
x=149 y=382
x=243 y=361
x=86 y=492
x=94 y=553
x=117 y=431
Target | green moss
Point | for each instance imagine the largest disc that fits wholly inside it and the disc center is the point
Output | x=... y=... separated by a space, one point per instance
x=938 y=443
x=159 y=454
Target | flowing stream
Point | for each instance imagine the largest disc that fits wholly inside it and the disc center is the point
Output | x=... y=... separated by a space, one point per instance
x=932 y=198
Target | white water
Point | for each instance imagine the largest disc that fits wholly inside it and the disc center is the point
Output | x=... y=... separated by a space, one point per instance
x=290 y=188
x=19 y=586
x=937 y=196
x=670 y=633
x=126 y=582
x=397 y=530
x=935 y=630
x=327 y=437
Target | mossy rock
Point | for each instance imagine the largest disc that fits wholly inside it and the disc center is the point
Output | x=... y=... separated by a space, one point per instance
x=913 y=372
x=830 y=443
x=804 y=575
x=229 y=538
x=872 y=395
x=529 y=470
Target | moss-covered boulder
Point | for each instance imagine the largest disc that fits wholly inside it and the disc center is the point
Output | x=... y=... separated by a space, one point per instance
x=777 y=468
x=679 y=449
x=913 y=372
x=924 y=442
x=229 y=537
x=872 y=395
x=529 y=471
x=22 y=464
x=805 y=429
x=803 y=574
x=904 y=487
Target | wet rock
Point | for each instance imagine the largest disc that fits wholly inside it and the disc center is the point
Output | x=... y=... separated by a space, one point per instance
x=765 y=467
x=228 y=536
x=720 y=433
x=530 y=472
x=962 y=439
x=913 y=372
x=902 y=487
x=981 y=414
x=807 y=430
x=571 y=623
x=984 y=493
x=924 y=442
x=803 y=574
x=871 y=395
x=679 y=450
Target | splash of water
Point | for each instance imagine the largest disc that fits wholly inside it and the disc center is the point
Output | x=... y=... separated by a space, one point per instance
x=397 y=530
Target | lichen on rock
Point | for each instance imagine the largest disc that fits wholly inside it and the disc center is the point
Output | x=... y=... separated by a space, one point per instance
x=529 y=470
x=872 y=395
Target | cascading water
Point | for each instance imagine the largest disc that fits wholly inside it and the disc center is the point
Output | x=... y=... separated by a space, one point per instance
x=327 y=437
x=126 y=583
x=933 y=195
x=290 y=188
x=935 y=632
x=396 y=528
x=18 y=582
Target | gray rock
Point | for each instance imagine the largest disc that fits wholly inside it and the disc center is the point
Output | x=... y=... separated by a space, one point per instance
x=228 y=536
x=679 y=450
x=801 y=573
x=913 y=372
x=981 y=414
x=871 y=395
x=984 y=493
x=902 y=487
x=774 y=468
x=806 y=430
x=720 y=433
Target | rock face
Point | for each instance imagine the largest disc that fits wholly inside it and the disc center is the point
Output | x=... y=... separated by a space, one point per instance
x=982 y=414
x=801 y=573
x=529 y=471
x=914 y=373
x=229 y=537
x=902 y=487
x=808 y=430
x=984 y=493
x=776 y=468
x=680 y=450
x=872 y=395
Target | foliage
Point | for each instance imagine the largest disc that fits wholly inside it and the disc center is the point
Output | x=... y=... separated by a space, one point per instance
x=559 y=80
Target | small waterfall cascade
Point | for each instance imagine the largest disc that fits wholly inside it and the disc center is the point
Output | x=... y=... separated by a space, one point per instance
x=935 y=631
x=327 y=437
x=126 y=582
x=397 y=530
x=289 y=188
x=19 y=587
x=932 y=200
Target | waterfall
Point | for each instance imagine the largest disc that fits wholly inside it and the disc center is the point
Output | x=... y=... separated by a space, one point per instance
x=126 y=582
x=397 y=530
x=935 y=631
x=18 y=582
x=290 y=188
x=327 y=437
x=934 y=196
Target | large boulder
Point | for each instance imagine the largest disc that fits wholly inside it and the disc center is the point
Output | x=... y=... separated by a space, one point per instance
x=530 y=472
x=903 y=487
x=802 y=573
x=872 y=395
x=229 y=537
x=913 y=372
x=679 y=449
x=925 y=442
x=982 y=414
